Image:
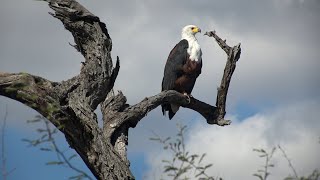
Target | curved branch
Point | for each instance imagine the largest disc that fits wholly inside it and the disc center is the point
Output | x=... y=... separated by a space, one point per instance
x=233 y=54
x=70 y=104
x=93 y=41
x=33 y=91
x=82 y=134
x=133 y=114
x=119 y=116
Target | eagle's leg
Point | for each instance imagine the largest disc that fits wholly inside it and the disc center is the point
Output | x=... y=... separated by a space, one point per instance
x=189 y=96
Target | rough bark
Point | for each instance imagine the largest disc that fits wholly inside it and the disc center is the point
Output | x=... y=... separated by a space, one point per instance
x=233 y=54
x=70 y=104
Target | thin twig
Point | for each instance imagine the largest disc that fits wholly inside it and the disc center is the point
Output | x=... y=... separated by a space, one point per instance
x=61 y=154
x=289 y=161
x=268 y=159
x=233 y=54
x=4 y=171
x=177 y=152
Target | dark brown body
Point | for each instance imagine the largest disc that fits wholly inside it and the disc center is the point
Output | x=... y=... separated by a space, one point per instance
x=190 y=71
x=180 y=73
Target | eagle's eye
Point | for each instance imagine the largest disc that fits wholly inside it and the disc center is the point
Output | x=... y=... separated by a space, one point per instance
x=192 y=28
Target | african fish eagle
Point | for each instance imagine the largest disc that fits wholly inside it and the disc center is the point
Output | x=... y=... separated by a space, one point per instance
x=183 y=66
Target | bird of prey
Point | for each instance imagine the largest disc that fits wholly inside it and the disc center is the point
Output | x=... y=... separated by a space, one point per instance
x=183 y=66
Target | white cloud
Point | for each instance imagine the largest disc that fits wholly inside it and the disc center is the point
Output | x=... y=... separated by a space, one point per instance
x=279 y=62
x=295 y=127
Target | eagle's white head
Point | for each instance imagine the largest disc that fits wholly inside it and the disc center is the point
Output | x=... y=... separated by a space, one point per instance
x=188 y=33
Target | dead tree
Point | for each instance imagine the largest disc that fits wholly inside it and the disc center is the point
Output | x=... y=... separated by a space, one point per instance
x=70 y=104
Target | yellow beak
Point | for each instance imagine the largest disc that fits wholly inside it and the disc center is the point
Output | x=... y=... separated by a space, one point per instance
x=196 y=30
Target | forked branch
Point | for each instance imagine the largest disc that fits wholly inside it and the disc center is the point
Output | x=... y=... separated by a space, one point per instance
x=233 y=54
x=70 y=104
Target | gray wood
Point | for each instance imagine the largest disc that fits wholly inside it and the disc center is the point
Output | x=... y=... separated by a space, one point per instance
x=70 y=104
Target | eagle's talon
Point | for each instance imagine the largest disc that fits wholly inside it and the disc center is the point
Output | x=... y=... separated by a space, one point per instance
x=188 y=97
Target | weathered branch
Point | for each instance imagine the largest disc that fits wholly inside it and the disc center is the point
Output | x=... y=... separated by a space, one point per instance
x=119 y=116
x=70 y=104
x=118 y=112
x=233 y=56
x=94 y=43
x=33 y=91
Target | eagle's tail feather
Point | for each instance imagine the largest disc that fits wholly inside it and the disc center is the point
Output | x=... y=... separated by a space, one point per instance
x=171 y=114
x=171 y=108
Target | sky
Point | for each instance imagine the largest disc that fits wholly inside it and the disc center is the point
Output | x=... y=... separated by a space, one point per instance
x=273 y=98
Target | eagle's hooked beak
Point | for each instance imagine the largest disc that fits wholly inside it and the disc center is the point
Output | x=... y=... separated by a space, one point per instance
x=196 y=30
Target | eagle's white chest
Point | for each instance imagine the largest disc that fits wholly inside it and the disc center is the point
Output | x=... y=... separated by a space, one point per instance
x=194 y=50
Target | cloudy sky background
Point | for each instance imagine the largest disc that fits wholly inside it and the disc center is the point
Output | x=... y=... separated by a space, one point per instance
x=273 y=99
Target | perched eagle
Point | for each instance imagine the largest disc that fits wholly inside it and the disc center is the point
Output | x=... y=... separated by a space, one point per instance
x=183 y=66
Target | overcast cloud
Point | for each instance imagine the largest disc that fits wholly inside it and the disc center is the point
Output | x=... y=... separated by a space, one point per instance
x=230 y=149
x=278 y=67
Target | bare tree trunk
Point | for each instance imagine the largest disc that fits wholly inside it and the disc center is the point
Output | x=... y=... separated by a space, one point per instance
x=70 y=104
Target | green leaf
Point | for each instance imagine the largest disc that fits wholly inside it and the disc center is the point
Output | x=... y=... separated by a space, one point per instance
x=33 y=120
x=184 y=128
x=267 y=174
x=54 y=131
x=207 y=166
x=199 y=174
x=194 y=156
x=179 y=145
x=44 y=136
x=170 y=168
x=39 y=130
x=54 y=163
x=72 y=156
x=38 y=117
x=154 y=139
x=26 y=140
x=45 y=149
x=77 y=177
x=257 y=150
x=167 y=139
x=61 y=126
x=259 y=176
x=201 y=158
x=32 y=142
x=183 y=158
x=35 y=142
x=289 y=178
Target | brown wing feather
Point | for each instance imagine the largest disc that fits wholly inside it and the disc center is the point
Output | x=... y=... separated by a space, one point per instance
x=191 y=71
x=175 y=61
x=173 y=70
x=180 y=73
